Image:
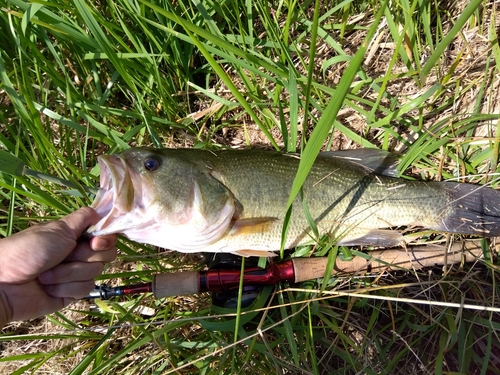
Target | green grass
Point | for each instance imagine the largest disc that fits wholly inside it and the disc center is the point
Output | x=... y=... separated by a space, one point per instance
x=80 y=79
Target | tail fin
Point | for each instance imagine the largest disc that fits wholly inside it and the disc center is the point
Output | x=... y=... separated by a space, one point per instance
x=474 y=210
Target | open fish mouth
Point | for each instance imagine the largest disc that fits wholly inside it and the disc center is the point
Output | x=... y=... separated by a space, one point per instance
x=115 y=197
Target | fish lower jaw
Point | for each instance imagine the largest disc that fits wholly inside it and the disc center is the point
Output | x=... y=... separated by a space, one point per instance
x=182 y=238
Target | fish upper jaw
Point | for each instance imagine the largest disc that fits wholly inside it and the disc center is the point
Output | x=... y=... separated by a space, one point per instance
x=117 y=196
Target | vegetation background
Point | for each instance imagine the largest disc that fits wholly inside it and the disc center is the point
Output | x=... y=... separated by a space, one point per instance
x=420 y=78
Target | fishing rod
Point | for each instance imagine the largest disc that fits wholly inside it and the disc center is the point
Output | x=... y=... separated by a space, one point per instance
x=219 y=279
x=224 y=273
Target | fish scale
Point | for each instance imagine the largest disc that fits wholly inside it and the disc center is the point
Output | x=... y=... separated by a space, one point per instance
x=344 y=199
x=236 y=201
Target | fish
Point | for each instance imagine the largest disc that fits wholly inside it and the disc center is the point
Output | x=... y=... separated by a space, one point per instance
x=235 y=201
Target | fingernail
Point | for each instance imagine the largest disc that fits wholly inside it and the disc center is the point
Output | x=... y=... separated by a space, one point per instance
x=100 y=244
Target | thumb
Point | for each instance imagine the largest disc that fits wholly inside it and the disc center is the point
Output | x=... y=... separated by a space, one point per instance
x=77 y=222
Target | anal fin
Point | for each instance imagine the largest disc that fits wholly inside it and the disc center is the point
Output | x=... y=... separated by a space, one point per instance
x=375 y=237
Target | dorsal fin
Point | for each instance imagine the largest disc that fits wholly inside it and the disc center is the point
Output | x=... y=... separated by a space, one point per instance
x=378 y=161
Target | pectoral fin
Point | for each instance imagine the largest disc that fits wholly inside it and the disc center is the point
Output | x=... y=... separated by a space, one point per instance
x=252 y=225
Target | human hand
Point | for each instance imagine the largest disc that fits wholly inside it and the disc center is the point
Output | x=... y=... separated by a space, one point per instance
x=45 y=267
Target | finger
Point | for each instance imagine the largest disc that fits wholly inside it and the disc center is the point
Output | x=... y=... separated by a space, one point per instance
x=39 y=248
x=77 y=222
x=30 y=300
x=70 y=272
x=83 y=253
x=103 y=242
x=76 y=289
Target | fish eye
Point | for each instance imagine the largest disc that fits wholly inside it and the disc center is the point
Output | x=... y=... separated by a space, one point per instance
x=151 y=164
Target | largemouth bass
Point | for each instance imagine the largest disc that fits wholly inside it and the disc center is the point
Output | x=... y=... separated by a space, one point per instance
x=193 y=200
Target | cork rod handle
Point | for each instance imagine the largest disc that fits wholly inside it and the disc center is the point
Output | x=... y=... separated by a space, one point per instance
x=414 y=257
